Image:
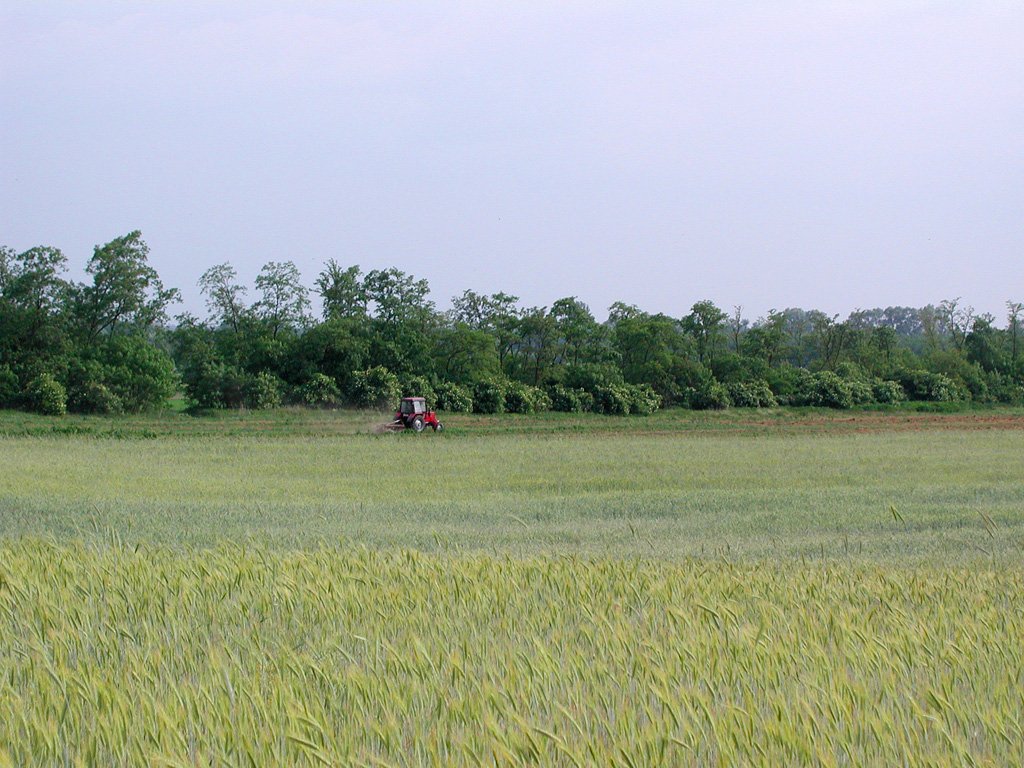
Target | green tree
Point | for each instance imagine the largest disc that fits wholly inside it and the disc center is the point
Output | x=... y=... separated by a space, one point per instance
x=32 y=295
x=125 y=294
x=224 y=296
x=342 y=291
x=706 y=324
x=284 y=300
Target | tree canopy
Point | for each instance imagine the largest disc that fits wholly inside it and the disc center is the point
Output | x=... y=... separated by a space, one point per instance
x=107 y=345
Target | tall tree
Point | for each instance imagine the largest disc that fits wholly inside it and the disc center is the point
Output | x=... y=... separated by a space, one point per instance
x=224 y=297
x=126 y=292
x=705 y=323
x=576 y=327
x=397 y=296
x=284 y=300
x=32 y=294
x=1015 y=310
x=342 y=291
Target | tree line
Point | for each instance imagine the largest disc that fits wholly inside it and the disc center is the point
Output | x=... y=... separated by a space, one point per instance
x=108 y=345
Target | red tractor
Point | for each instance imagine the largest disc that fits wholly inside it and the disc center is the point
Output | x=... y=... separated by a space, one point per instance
x=413 y=414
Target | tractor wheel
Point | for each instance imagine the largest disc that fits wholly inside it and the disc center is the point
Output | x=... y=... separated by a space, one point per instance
x=417 y=424
x=439 y=427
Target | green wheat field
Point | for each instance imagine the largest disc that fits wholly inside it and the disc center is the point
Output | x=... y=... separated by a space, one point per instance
x=296 y=595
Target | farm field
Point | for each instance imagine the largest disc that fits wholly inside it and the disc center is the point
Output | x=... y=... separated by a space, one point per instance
x=784 y=588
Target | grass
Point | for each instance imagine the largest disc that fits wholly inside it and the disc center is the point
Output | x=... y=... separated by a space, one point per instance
x=784 y=587
x=787 y=495
x=243 y=656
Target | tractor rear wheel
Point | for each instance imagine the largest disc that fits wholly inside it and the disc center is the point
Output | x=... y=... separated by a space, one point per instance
x=417 y=424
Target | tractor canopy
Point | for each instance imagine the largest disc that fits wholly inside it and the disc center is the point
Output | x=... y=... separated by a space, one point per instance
x=413 y=405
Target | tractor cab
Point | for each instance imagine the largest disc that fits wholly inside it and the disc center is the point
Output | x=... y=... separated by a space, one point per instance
x=412 y=414
x=412 y=406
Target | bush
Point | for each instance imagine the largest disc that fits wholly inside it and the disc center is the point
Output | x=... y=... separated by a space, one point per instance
x=45 y=395
x=613 y=400
x=263 y=391
x=710 y=395
x=452 y=397
x=418 y=386
x=489 y=396
x=591 y=376
x=861 y=391
x=375 y=387
x=94 y=397
x=318 y=390
x=826 y=390
x=887 y=392
x=569 y=400
x=522 y=398
x=751 y=394
x=643 y=400
x=9 y=387
x=138 y=373
x=931 y=387
x=788 y=383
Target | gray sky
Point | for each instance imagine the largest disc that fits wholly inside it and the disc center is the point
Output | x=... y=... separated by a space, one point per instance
x=829 y=155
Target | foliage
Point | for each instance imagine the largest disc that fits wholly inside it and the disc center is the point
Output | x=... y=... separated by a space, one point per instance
x=262 y=391
x=933 y=387
x=570 y=400
x=125 y=293
x=375 y=387
x=489 y=396
x=418 y=386
x=754 y=394
x=318 y=390
x=826 y=390
x=522 y=398
x=45 y=395
x=453 y=398
x=887 y=392
x=708 y=395
x=614 y=400
x=643 y=400
x=10 y=387
x=107 y=341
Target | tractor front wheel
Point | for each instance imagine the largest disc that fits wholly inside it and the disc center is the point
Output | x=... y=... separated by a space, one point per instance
x=417 y=424
x=439 y=427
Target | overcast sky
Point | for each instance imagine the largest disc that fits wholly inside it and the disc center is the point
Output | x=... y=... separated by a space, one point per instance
x=828 y=155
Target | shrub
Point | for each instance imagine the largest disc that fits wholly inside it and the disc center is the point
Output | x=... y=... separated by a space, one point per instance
x=263 y=391
x=94 y=397
x=751 y=394
x=887 y=392
x=569 y=400
x=788 y=383
x=932 y=387
x=418 y=386
x=613 y=400
x=319 y=389
x=489 y=396
x=826 y=390
x=9 y=387
x=453 y=397
x=45 y=395
x=861 y=391
x=710 y=395
x=375 y=387
x=591 y=376
x=643 y=399
x=138 y=373
x=522 y=398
